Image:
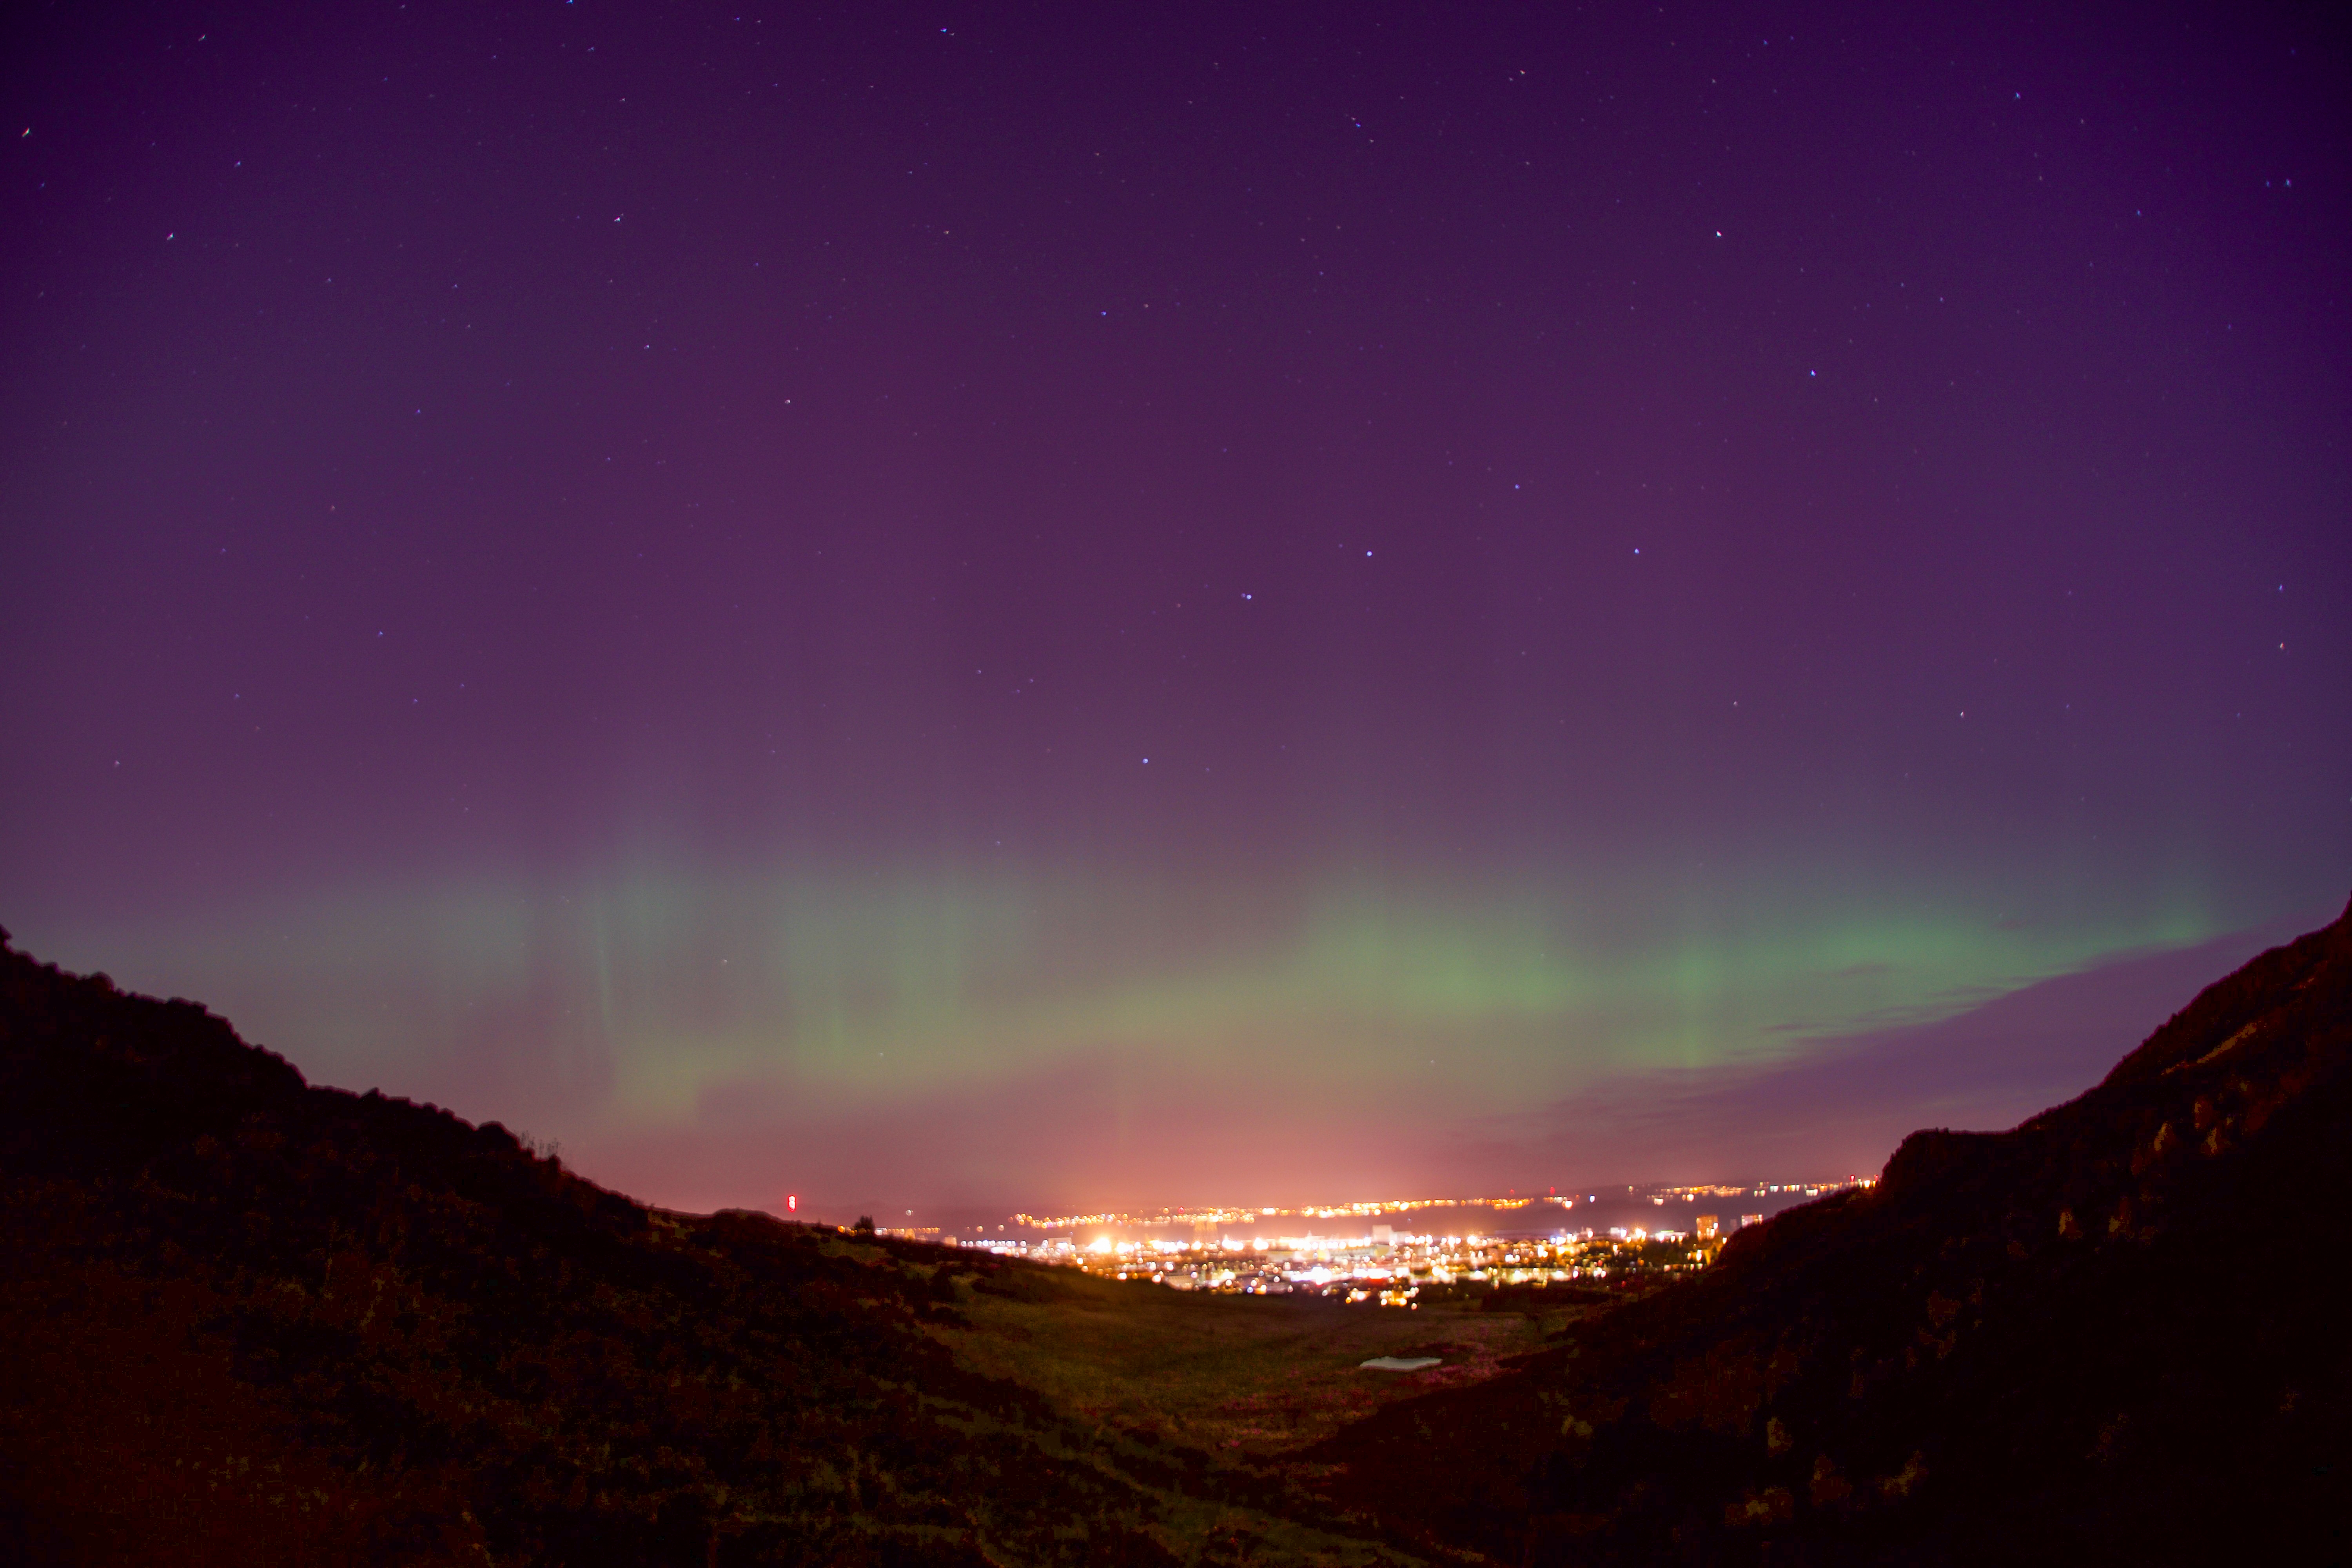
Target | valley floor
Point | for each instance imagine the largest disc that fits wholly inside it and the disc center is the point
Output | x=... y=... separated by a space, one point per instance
x=1263 y=1375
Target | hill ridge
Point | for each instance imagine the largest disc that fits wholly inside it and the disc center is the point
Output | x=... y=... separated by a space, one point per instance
x=2017 y=1341
x=272 y=1322
x=269 y=1321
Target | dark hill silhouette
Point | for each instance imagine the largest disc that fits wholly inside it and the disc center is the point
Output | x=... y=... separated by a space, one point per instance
x=247 y=1321
x=2115 y=1333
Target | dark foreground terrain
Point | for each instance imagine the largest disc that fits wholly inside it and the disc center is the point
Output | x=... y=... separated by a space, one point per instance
x=249 y=1321
x=2116 y=1334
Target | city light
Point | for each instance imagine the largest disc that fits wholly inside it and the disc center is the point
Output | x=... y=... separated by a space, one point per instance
x=1368 y=1258
x=1371 y=1209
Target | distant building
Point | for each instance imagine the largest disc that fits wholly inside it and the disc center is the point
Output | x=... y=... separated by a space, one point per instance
x=1748 y=1219
x=1708 y=1225
x=1384 y=1236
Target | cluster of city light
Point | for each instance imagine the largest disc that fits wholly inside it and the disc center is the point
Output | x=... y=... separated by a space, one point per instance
x=1761 y=1189
x=1257 y=1216
x=1381 y=1263
x=1390 y=1268
x=1370 y=1208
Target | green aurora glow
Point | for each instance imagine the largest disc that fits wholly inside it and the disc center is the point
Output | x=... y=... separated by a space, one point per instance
x=630 y=1006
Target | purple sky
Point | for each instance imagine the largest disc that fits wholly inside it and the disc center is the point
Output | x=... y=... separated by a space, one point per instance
x=1093 y=606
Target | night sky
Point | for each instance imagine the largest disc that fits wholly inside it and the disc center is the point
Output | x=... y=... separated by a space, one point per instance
x=1120 y=605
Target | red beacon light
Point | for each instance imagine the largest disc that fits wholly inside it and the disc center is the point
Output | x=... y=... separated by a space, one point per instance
x=792 y=1202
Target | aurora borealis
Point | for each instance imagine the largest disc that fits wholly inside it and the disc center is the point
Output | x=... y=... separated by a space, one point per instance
x=1079 y=609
